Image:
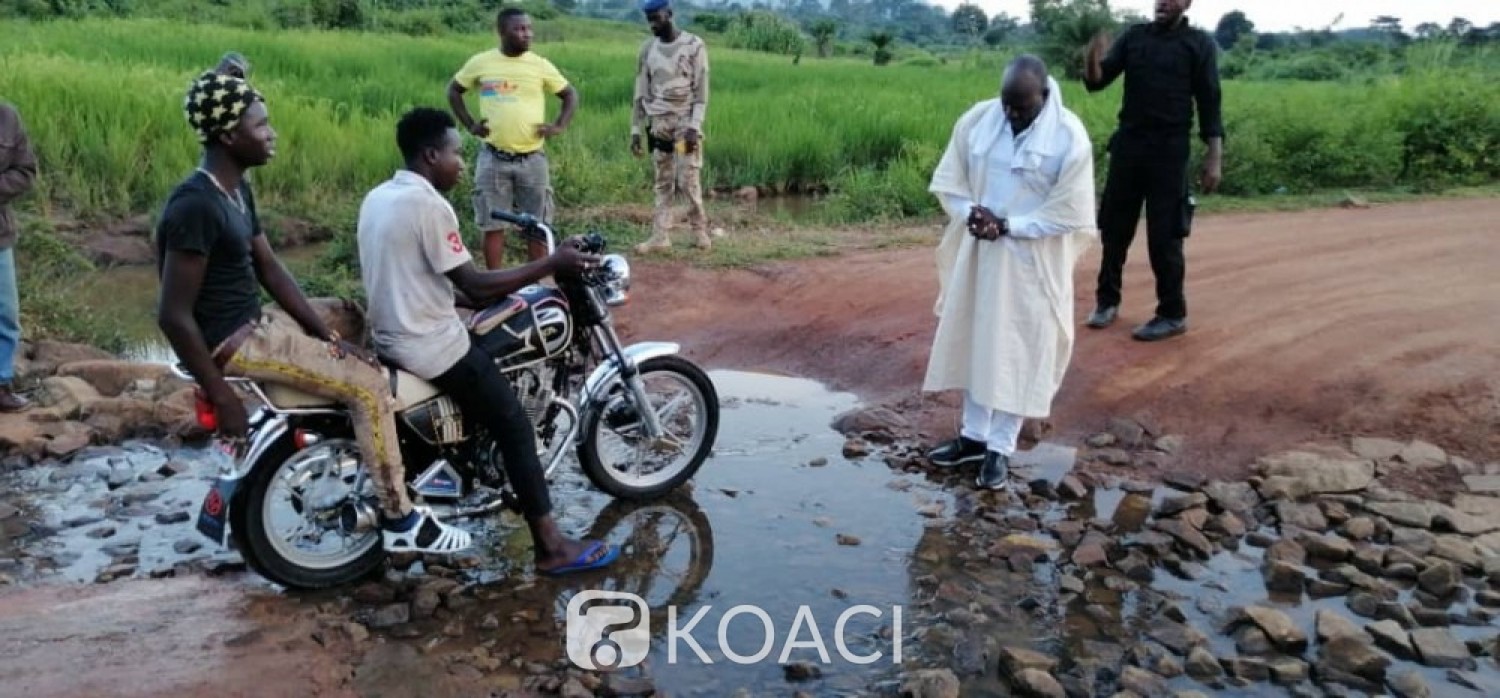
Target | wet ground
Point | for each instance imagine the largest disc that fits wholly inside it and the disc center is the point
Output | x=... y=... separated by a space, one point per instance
x=786 y=514
x=771 y=521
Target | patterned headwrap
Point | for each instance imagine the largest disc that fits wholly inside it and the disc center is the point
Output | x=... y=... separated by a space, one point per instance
x=215 y=103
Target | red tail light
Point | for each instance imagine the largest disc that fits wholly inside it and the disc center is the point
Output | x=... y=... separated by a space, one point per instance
x=204 y=410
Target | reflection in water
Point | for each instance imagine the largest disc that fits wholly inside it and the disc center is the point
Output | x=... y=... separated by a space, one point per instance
x=759 y=526
x=667 y=551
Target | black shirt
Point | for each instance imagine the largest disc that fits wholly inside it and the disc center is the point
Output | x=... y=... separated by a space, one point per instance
x=1165 y=71
x=200 y=218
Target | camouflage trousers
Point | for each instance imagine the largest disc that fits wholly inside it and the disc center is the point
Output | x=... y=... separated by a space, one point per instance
x=677 y=173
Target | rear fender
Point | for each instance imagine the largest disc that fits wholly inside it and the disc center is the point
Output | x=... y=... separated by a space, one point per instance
x=226 y=495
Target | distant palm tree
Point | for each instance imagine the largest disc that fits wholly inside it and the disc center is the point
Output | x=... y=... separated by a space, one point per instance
x=823 y=32
x=882 y=39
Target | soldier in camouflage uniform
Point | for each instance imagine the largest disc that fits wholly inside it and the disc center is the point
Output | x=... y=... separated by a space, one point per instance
x=671 y=97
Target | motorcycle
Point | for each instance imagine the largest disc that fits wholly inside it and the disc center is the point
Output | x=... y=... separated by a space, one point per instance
x=296 y=501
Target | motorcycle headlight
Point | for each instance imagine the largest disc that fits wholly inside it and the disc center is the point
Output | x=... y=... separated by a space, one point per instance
x=615 y=279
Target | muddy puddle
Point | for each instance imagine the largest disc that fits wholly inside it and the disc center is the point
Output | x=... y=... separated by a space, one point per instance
x=777 y=519
x=791 y=538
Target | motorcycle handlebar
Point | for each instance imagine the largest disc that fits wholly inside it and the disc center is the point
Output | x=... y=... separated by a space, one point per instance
x=593 y=242
x=524 y=220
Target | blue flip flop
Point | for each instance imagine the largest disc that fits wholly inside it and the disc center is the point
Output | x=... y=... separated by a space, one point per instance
x=583 y=563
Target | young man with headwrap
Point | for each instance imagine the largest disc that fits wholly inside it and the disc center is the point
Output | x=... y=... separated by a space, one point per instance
x=1017 y=181
x=671 y=99
x=213 y=259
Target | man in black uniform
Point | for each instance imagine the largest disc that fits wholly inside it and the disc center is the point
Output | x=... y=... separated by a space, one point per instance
x=1168 y=65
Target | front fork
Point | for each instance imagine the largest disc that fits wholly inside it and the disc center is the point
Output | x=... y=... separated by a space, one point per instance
x=628 y=371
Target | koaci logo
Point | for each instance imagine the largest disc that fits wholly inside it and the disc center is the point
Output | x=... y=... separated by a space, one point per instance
x=610 y=629
x=607 y=630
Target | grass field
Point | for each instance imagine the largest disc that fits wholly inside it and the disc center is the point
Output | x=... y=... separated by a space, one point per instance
x=102 y=99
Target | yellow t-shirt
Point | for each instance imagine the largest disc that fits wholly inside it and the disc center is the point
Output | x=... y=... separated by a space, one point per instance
x=512 y=96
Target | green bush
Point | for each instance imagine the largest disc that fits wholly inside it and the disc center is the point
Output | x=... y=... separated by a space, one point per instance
x=712 y=22
x=897 y=191
x=424 y=22
x=1451 y=133
x=766 y=31
x=339 y=14
x=64 y=9
x=1310 y=66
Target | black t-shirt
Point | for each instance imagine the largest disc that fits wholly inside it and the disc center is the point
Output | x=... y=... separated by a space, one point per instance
x=199 y=218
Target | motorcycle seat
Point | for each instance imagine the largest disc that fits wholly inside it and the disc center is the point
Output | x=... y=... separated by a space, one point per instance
x=488 y=319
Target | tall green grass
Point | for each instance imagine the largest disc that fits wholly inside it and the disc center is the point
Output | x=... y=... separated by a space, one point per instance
x=102 y=99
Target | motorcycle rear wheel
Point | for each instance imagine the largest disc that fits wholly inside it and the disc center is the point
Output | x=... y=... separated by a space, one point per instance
x=268 y=553
x=613 y=453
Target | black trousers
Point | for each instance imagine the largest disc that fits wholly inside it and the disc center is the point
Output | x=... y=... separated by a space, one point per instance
x=1157 y=177
x=476 y=385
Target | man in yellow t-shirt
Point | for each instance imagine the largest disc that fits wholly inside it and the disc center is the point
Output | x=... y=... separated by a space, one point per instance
x=511 y=171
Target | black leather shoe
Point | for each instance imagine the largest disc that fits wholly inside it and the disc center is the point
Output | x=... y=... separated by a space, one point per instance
x=1103 y=316
x=995 y=473
x=1160 y=328
x=957 y=452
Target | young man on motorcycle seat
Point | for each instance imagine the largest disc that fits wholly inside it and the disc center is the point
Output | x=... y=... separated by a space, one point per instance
x=212 y=260
x=412 y=258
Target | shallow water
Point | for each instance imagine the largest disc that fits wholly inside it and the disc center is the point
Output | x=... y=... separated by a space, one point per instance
x=759 y=526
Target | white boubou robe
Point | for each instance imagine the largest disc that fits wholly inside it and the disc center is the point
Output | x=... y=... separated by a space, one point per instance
x=1005 y=307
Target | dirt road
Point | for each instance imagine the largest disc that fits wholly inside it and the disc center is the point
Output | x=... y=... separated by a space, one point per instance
x=1327 y=321
x=1303 y=325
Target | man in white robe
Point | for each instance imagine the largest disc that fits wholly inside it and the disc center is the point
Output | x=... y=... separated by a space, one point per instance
x=1017 y=181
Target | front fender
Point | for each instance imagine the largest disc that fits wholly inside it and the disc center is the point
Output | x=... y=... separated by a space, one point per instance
x=597 y=386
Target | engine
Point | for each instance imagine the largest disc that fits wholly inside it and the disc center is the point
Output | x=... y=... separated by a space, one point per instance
x=533 y=386
x=438 y=421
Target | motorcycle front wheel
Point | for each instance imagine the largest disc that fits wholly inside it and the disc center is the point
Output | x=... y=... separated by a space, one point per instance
x=622 y=461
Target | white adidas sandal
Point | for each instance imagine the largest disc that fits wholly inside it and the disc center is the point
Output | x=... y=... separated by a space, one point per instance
x=440 y=538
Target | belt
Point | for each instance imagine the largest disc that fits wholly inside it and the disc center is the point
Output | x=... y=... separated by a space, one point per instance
x=231 y=344
x=507 y=155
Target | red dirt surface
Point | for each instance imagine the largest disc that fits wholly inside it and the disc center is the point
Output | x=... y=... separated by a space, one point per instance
x=1302 y=325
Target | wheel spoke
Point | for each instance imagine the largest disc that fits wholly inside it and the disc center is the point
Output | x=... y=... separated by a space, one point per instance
x=680 y=407
x=666 y=412
x=302 y=507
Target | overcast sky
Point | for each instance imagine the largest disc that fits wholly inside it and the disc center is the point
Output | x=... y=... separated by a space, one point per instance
x=1283 y=15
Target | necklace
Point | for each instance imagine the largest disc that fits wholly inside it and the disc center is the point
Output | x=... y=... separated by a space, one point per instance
x=237 y=198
